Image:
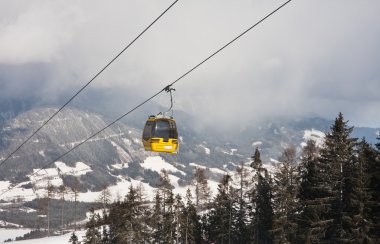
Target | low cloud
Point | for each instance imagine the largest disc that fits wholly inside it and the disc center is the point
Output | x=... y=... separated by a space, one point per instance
x=306 y=59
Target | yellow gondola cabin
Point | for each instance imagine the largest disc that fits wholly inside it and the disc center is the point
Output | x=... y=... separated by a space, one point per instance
x=160 y=135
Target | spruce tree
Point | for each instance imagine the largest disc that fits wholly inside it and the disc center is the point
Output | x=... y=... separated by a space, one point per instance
x=373 y=188
x=363 y=220
x=338 y=165
x=243 y=218
x=157 y=219
x=127 y=220
x=131 y=216
x=73 y=239
x=221 y=224
x=310 y=195
x=105 y=236
x=93 y=235
x=169 y=226
x=263 y=217
x=115 y=222
x=192 y=229
x=262 y=224
x=284 y=194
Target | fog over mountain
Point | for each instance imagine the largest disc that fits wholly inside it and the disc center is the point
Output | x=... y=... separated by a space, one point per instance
x=307 y=58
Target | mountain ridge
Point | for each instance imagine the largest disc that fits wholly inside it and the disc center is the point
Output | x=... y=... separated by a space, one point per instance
x=121 y=145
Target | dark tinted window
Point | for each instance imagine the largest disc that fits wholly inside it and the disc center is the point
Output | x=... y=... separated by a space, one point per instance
x=147 y=133
x=162 y=129
x=173 y=130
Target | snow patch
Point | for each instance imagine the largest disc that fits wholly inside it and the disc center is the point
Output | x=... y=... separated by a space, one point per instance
x=79 y=169
x=64 y=239
x=257 y=143
x=213 y=186
x=120 y=166
x=218 y=171
x=157 y=163
x=207 y=150
x=6 y=234
x=314 y=135
x=197 y=166
x=4 y=223
x=127 y=142
x=42 y=153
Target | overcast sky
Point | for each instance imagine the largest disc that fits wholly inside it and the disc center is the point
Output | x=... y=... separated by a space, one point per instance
x=314 y=57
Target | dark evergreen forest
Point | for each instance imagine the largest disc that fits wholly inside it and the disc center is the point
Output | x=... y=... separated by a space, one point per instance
x=327 y=194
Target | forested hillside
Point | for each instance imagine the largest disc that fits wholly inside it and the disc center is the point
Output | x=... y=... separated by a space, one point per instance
x=330 y=194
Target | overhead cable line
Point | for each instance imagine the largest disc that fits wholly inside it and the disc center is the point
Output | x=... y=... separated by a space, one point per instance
x=157 y=93
x=88 y=83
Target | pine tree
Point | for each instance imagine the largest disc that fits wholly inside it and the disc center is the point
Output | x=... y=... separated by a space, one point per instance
x=372 y=175
x=285 y=191
x=75 y=190
x=264 y=210
x=49 y=194
x=115 y=222
x=378 y=144
x=132 y=216
x=164 y=188
x=179 y=219
x=192 y=228
x=375 y=194
x=338 y=165
x=221 y=220
x=63 y=192
x=73 y=239
x=201 y=188
x=243 y=218
x=363 y=221
x=167 y=230
x=144 y=213
x=309 y=195
x=105 y=236
x=105 y=196
x=157 y=219
x=169 y=226
x=93 y=235
x=262 y=224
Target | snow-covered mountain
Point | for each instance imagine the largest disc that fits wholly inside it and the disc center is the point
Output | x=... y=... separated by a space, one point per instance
x=116 y=158
x=113 y=157
x=117 y=152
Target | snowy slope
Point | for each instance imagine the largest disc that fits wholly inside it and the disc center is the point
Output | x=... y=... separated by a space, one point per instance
x=64 y=239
